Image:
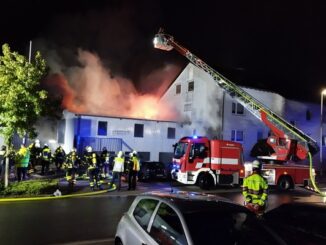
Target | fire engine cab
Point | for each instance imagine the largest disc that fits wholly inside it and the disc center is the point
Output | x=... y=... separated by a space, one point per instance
x=198 y=160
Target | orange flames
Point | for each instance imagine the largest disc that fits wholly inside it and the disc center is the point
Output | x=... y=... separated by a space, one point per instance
x=90 y=89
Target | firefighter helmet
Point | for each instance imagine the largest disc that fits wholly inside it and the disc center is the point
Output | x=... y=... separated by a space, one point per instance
x=256 y=164
x=89 y=149
x=120 y=154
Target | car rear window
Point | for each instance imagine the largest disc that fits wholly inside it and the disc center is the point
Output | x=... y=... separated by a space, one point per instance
x=144 y=211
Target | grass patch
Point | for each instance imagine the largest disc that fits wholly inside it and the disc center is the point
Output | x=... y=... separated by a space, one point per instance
x=29 y=188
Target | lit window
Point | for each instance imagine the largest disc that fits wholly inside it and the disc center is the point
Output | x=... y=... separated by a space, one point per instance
x=237 y=108
x=191 y=86
x=178 y=89
x=237 y=135
x=102 y=128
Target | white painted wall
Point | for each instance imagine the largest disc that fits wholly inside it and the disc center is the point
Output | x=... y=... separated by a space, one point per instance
x=154 y=139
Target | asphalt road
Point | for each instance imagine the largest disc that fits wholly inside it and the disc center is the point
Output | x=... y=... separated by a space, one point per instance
x=93 y=220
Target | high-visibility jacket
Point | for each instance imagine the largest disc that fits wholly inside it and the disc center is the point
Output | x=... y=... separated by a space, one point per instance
x=92 y=160
x=23 y=156
x=119 y=163
x=255 y=189
x=136 y=165
x=46 y=154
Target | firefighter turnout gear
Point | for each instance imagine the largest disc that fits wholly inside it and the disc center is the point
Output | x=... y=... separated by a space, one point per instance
x=59 y=157
x=105 y=162
x=46 y=159
x=133 y=168
x=71 y=165
x=255 y=190
x=92 y=161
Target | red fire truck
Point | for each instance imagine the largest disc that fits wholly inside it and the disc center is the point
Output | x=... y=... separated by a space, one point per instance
x=198 y=160
x=219 y=161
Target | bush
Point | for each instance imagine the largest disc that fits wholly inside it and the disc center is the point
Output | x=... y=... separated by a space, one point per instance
x=29 y=188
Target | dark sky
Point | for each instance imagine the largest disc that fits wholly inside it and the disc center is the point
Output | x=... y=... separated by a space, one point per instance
x=272 y=45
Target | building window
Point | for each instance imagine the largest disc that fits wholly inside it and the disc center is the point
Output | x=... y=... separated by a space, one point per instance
x=191 y=86
x=178 y=89
x=139 y=130
x=102 y=128
x=237 y=136
x=237 y=108
x=171 y=133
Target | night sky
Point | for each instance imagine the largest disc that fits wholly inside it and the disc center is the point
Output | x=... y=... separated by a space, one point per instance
x=272 y=45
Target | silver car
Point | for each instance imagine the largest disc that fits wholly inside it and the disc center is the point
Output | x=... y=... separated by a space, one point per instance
x=190 y=218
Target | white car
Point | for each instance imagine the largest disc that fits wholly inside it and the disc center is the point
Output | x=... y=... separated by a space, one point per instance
x=190 y=218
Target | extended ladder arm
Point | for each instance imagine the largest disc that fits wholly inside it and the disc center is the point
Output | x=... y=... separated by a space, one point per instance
x=276 y=123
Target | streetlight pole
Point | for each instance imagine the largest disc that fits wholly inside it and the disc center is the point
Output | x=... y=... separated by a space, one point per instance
x=321 y=130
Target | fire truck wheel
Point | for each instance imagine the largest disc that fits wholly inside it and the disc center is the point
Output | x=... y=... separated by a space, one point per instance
x=284 y=183
x=205 y=181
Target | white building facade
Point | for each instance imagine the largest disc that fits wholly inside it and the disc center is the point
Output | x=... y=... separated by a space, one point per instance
x=152 y=139
x=208 y=111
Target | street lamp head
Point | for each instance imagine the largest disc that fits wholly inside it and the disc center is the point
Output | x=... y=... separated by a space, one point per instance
x=323 y=92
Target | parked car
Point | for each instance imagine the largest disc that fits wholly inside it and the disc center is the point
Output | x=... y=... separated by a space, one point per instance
x=190 y=218
x=152 y=171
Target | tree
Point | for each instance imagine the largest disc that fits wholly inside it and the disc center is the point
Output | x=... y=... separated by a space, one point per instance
x=21 y=98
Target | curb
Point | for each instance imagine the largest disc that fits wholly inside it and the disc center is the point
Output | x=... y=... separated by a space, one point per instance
x=20 y=199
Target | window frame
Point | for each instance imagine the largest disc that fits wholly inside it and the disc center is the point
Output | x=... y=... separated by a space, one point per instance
x=236 y=134
x=98 y=128
x=235 y=109
x=191 y=86
x=178 y=89
x=169 y=136
x=138 y=135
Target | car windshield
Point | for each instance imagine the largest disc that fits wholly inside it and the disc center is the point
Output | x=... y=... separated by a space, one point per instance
x=225 y=227
x=180 y=149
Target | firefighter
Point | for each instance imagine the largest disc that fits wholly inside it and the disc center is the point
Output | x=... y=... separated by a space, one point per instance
x=92 y=161
x=133 y=169
x=105 y=158
x=59 y=157
x=22 y=161
x=46 y=159
x=35 y=155
x=255 y=189
x=118 y=169
x=70 y=166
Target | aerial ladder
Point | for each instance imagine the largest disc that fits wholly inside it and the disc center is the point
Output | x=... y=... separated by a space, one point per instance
x=286 y=142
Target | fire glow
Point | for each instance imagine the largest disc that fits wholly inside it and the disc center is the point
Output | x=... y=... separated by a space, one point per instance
x=90 y=89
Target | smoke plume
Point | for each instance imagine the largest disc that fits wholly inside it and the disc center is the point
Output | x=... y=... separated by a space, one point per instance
x=90 y=88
